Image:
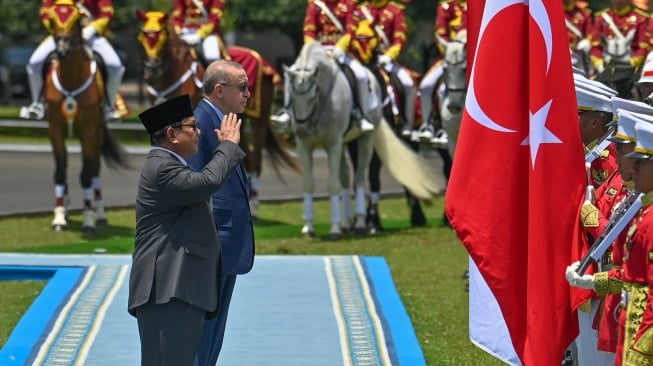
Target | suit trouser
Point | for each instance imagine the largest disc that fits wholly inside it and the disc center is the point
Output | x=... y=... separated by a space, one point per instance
x=210 y=342
x=169 y=332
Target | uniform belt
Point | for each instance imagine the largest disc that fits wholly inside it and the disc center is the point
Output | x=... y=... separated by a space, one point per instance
x=627 y=292
x=329 y=38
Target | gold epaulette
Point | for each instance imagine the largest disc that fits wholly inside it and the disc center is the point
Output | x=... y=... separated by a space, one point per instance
x=641 y=12
x=398 y=5
x=589 y=215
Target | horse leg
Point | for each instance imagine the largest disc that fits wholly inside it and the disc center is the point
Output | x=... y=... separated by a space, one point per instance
x=57 y=138
x=364 y=156
x=372 y=219
x=98 y=204
x=86 y=181
x=334 y=156
x=305 y=154
x=346 y=194
x=417 y=218
x=91 y=143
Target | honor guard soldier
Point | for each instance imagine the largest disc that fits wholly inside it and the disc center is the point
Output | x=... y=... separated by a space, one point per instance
x=635 y=334
x=578 y=21
x=595 y=218
x=450 y=20
x=378 y=32
x=97 y=14
x=620 y=36
x=326 y=21
x=199 y=21
x=645 y=82
x=595 y=112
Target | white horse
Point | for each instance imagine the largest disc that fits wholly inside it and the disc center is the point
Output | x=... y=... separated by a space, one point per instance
x=321 y=101
x=455 y=81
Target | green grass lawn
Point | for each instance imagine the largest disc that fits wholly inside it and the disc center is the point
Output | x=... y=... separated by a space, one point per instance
x=13 y=307
x=426 y=263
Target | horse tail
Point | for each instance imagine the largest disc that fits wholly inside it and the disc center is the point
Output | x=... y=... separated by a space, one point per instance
x=409 y=168
x=278 y=154
x=114 y=154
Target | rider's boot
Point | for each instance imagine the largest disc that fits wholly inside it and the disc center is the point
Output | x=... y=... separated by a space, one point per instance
x=409 y=112
x=366 y=103
x=426 y=131
x=114 y=78
x=283 y=116
x=363 y=123
x=36 y=110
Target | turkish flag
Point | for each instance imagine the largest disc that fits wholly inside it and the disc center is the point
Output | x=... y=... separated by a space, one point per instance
x=518 y=172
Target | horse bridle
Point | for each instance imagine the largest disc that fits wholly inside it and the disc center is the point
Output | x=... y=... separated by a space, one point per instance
x=445 y=63
x=313 y=88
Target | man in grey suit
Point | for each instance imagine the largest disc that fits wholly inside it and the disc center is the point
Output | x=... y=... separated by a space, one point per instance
x=173 y=285
x=225 y=91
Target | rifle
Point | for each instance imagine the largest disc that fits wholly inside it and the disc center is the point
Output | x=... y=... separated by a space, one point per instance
x=601 y=145
x=618 y=221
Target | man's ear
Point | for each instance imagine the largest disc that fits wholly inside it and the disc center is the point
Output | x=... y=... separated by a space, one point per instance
x=171 y=134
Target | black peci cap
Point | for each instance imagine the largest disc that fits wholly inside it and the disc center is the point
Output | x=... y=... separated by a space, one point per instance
x=164 y=114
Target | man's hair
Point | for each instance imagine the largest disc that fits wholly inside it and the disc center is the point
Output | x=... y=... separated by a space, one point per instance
x=219 y=72
x=159 y=137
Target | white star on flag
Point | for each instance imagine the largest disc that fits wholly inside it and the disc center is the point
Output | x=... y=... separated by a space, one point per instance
x=538 y=133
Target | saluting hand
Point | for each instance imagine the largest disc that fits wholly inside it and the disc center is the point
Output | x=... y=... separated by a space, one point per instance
x=230 y=130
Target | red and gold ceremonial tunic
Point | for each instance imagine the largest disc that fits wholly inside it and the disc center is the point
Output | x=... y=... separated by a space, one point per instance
x=450 y=18
x=318 y=26
x=581 y=19
x=386 y=16
x=101 y=13
x=608 y=197
x=627 y=19
x=635 y=334
x=205 y=19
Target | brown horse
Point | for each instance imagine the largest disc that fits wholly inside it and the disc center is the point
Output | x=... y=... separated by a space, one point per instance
x=172 y=68
x=74 y=94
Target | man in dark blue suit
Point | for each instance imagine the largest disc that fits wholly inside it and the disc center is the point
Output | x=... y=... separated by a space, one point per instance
x=225 y=92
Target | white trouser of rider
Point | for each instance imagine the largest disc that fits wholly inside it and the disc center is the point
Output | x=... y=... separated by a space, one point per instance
x=210 y=45
x=99 y=44
x=368 y=99
x=426 y=89
x=409 y=87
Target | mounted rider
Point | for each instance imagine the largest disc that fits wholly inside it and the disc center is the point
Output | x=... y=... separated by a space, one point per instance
x=326 y=21
x=96 y=16
x=377 y=31
x=450 y=19
x=620 y=38
x=199 y=21
x=578 y=20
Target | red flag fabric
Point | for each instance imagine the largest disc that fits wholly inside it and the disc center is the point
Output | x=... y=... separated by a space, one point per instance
x=519 y=171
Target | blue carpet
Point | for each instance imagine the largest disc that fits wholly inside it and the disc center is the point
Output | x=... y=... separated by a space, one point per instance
x=290 y=310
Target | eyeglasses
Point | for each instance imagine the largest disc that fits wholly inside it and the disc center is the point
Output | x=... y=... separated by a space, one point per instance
x=194 y=125
x=242 y=87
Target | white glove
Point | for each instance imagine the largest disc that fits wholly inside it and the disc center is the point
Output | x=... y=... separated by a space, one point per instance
x=576 y=280
x=88 y=32
x=384 y=60
x=600 y=68
x=583 y=46
x=191 y=38
x=338 y=54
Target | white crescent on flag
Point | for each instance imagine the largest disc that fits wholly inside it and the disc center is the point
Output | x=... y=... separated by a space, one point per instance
x=539 y=14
